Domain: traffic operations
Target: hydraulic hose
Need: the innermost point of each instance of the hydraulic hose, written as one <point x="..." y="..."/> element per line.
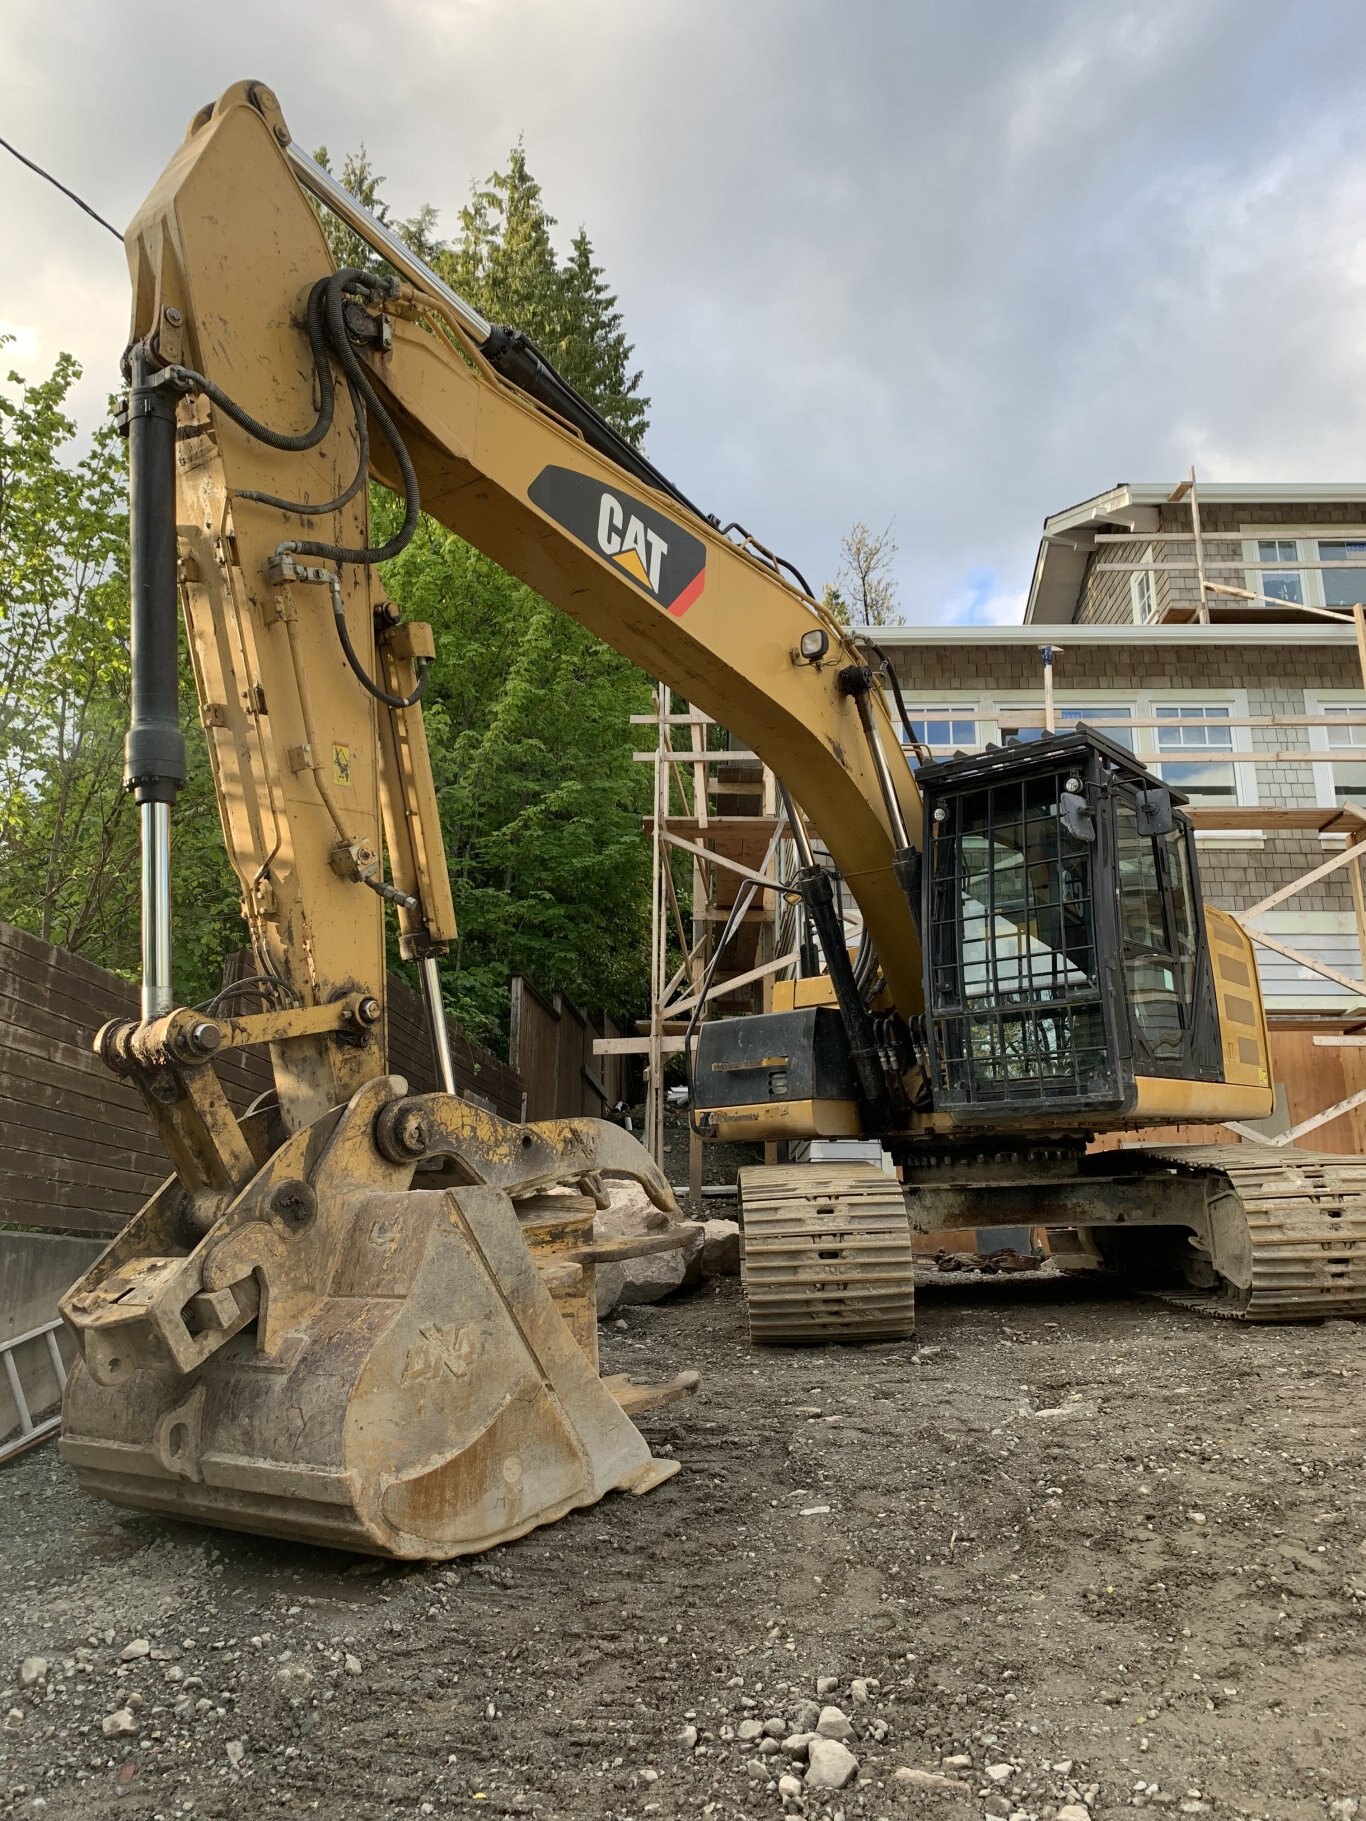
<point x="327" y="392"/>
<point x="349" y="650"/>
<point x="304" y="508"/>
<point x="335" y="324"/>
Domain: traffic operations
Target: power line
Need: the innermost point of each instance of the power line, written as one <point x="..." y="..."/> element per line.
<point x="14" y="151"/>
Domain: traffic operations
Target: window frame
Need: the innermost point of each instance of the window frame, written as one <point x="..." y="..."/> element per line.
<point x="955" y="709"/>
<point x="1144" y="581"/>
<point x="1323" y="701"/>
<point x="1306" y="539"/>
<point x="1245" y="795"/>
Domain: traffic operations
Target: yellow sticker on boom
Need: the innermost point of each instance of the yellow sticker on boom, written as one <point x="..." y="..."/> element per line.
<point x="341" y="764"/>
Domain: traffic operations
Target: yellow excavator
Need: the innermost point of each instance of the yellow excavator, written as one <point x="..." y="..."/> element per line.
<point x="365" y="1317"/>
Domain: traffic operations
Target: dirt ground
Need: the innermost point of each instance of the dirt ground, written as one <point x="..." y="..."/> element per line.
<point x="1095" y="1553"/>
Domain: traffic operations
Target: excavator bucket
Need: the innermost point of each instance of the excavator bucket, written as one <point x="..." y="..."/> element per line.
<point x="352" y="1359"/>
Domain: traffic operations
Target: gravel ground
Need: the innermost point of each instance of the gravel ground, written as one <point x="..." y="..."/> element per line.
<point x="1066" y="1554"/>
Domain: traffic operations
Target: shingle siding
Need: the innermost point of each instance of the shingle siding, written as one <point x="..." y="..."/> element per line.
<point x="1275" y="679"/>
<point x="1107" y="596"/>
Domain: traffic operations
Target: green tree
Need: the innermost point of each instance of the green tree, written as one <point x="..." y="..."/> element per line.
<point x="68" y="833"/>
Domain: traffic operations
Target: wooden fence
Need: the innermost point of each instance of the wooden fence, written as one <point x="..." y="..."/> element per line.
<point x="551" y="1048"/>
<point x="78" y="1152"/>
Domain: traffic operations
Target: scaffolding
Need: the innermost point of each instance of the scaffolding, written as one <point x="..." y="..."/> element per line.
<point x="717" y="854"/>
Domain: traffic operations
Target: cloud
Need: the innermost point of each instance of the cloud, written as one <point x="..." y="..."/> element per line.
<point x="983" y="601"/>
<point x="953" y="266"/>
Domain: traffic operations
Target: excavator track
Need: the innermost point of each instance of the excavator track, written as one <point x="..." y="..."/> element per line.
<point x="1288" y="1230"/>
<point x="826" y="1254"/>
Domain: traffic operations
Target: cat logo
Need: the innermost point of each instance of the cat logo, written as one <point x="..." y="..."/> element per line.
<point x="658" y="556"/>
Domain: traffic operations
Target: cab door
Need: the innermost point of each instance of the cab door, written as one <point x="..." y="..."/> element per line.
<point x="1168" y="985"/>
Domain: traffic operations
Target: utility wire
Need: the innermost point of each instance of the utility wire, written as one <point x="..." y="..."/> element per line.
<point x="14" y="152"/>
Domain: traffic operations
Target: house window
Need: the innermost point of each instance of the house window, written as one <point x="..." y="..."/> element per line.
<point x="1199" y="732"/>
<point x="1348" y="775"/>
<point x="1280" y="584"/>
<point x="935" y="726"/>
<point x="1143" y="592"/>
<point x="1071" y="713"/>
<point x="1343" y="587"/>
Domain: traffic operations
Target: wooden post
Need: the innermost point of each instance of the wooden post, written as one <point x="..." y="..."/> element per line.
<point x="654" y="1086"/>
<point x="703" y="880"/>
<point x="1199" y="550"/>
<point x="1049" y="722"/>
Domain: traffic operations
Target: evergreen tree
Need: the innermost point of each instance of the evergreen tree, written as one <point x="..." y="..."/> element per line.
<point x="592" y="351"/>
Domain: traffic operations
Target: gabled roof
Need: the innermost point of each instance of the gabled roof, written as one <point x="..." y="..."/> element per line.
<point x="1069" y="537"/>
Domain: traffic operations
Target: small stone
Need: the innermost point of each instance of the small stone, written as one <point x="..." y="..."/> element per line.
<point x="32" y="1671"/>
<point x="789" y="1787"/>
<point x="959" y="1761"/>
<point x="860" y="1689"/>
<point x="1198" y="1517"/>
<point x="910" y="1778"/>
<point x="1345" y="1808"/>
<point x="120" y="1724"/>
<point x="832" y="1765"/>
<point x="997" y="1804"/>
<point x="1064" y="1767"/>
<point x="769" y="1748"/>
<point x="688" y="1738"/>
<point x="999" y="1772"/>
<point x="1074" y="1811"/>
<point x="826" y="1685"/>
<point x="796" y="1744"/>
<point x="757" y="1770"/>
<point x="807" y="1715"/>
<point x="14" y="1719"/>
<point x="749" y="1730"/>
<point x="775" y="1728"/>
<point x="834" y="1724"/>
<point x="140" y="1647"/>
<point x="352" y="1664"/>
<point x="649" y="1776"/>
<point x="236" y="1751"/>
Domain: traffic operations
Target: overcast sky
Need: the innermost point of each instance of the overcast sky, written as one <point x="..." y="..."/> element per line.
<point x="946" y="266"/>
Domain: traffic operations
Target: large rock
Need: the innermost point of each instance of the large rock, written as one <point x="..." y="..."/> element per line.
<point x="832" y="1764"/>
<point x="720" y="1248"/>
<point x="640" y="1280"/>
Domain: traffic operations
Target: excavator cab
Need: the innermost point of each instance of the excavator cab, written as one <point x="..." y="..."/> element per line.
<point x="1066" y="957"/>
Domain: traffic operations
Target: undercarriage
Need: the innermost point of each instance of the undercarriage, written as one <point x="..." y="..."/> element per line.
<point x="1235" y="1231"/>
